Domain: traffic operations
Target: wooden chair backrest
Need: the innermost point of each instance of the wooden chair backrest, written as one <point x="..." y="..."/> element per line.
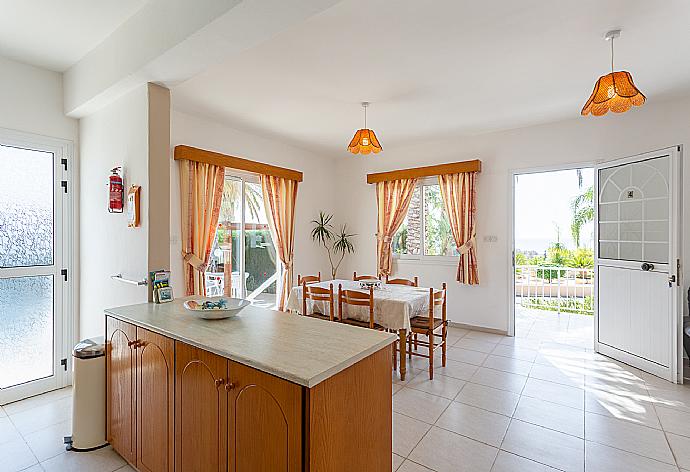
<point x="308" y="278"/>
<point x="362" y="277"/>
<point x="437" y="298"/>
<point x="355" y="297"/>
<point x="318" y="294"/>
<point x="400" y="281"/>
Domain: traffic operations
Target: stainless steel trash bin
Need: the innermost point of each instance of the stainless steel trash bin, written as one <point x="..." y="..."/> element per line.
<point x="88" y="396"/>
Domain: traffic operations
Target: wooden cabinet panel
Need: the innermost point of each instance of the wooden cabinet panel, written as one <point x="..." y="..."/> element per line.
<point x="120" y="388"/>
<point x="155" y="402"/>
<point x="350" y="418"/>
<point x="265" y="421"/>
<point x="200" y="410"/>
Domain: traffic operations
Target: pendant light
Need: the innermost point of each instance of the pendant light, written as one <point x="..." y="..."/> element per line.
<point x="615" y="91"/>
<point x="364" y="140"/>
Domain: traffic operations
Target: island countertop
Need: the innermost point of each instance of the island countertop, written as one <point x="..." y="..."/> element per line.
<point x="303" y="350"/>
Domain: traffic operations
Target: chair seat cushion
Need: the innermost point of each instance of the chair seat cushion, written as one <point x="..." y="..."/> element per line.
<point x="362" y="324"/>
<point x="422" y="322"/>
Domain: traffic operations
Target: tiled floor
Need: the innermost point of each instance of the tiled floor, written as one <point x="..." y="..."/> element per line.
<point x="541" y="401"/>
<point x="500" y="404"/>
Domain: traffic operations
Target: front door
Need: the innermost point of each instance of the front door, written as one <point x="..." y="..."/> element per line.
<point x="638" y="262"/>
<point x="33" y="290"/>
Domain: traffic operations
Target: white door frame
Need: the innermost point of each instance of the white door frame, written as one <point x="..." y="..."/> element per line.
<point x="674" y="372"/>
<point x="511" y="222"/>
<point x="64" y="293"/>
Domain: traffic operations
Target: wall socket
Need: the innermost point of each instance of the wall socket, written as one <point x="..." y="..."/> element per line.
<point x="490" y="238"/>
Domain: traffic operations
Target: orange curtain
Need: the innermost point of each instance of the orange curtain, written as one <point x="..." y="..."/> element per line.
<point x="280" y="196"/>
<point x="393" y="199"/>
<point x="459" y="195"/>
<point x="201" y="188"/>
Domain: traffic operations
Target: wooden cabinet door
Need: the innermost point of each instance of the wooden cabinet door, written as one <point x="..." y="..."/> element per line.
<point x="121" y="388"/>
<point x="155" y="402"/>
<point x="264" y="421"/>
<point x="200" y="410"/>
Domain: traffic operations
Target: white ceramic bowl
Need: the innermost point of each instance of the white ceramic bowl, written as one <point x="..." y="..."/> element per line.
<point x="232" y="307"/>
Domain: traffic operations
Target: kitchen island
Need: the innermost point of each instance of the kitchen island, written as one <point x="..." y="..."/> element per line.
<point x="263" y="391"/>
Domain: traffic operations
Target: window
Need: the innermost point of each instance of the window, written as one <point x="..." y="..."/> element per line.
<point x="425" y="230"/>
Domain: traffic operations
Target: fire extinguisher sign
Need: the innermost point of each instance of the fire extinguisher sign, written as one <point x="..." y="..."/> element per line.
<point x="116" y="191"/>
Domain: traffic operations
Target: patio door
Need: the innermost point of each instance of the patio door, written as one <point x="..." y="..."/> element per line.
<point x="638" y="262"/>
<point x="34" y="331"/>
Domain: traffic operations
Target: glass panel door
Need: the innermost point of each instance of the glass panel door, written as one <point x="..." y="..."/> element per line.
<point x="31" y="291"/>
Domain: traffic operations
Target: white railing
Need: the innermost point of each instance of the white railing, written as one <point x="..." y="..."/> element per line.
<point x="560" y="289"/>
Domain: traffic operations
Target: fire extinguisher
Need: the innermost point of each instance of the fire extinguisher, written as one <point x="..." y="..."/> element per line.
<point x="117" y="191"/>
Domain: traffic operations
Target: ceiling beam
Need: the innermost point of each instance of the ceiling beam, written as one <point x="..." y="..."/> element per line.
<point x="190" y="153"/>
<point x="474" y="165"/>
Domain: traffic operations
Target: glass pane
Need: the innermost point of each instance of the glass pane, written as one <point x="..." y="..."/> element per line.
<point x="439" y="239"/>
<point x="26" y="337"/>
<point x="225" y="258"/>
<point x="259" y="251"/>
<point x="608" y="250"/>
<point x="26" y="211"/>
<point x="631" y="232"/>
<point x="631" y="251"/>
<point x="656" y="252"/>
<point x="408" y="238"/>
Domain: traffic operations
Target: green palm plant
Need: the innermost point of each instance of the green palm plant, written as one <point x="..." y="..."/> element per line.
<point x="582" y="207"/>
<point x="334" y="243"/>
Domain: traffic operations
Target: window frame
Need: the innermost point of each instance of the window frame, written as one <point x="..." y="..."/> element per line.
<point x="424" y="258"/>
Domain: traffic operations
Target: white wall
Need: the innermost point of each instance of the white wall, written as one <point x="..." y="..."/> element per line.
<point x="31" y="101"/>
<point x="118" y="135"/>
<point x="315" y="193"/>
<point x="581" y="140"/>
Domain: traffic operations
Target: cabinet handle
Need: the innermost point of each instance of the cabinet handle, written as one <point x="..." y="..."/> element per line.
<point x="229" y="386"/>
<point x="132" y="343"/>
<point x="219" y="382"/>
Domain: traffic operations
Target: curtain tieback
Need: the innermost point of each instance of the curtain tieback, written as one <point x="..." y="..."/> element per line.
<point x="385" y="239"/>
<point x="469" y="244"/>
<point x="194" y="261"/>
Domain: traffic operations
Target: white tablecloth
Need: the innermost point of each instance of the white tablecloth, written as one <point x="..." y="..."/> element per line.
<point x="394" y="305"/>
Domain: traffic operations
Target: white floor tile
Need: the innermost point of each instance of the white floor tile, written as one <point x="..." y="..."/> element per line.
<point x="455" y="369"/>
<point x="15" y="455"/>
<point x="501" y="380"/>
<point x="562" y="394"/>
<point x="671" y="396"/>
<point x="126" y="468"/>
<point x="565" y="375"/>
<point x="508" y="364"/>
<point x="101" y="460"/>
<point x="488" y="398"/>
<point x="419" y="405"/>
<point x="600" y="458"/>
<point x="407" y="432"/>
<point x="551" y="415"/>
<point x="409" y="466"/>
<point x="507" y="462"/>
<point x="486" y="337"/>
<point x="475" y="345"/>
<point x="444" y="451"/>
<point x="467" y="356"/>
<point x="681" y="449"/>
<point x="38" y="400"/>
<point x="515" y="352"/>
<point x="546" y="446"/>
<point x="624" y="405"/>
<point x="8" y="432"/>
<point x="39" y="417"/>
<point x="674" y="421"/>
<point x="48" y="442"/>
<point x="441" y="385"/>
<point x="397" y="461"/>
<point x="627" y="436"/>
<point x="474" y="423"/>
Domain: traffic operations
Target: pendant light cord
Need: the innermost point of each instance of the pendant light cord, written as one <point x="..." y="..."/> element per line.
<point x="365" y="117"/>
<point x="612" y="39"/>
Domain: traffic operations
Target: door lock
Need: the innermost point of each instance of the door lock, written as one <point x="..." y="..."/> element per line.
<point x="671" y="280"/>
<point x="647" y="267"/>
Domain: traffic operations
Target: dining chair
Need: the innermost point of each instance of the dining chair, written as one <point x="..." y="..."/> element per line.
<point x="318" y="294"/>
<point x="363" y="277"/>
<point x="357" y="298"/>
<point x="400" y="281"/>
<point x="309" y="278"/>
<point x="428" y="326"/>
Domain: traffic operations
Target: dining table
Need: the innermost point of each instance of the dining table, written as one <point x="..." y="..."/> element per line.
<point x="394" y="306"/>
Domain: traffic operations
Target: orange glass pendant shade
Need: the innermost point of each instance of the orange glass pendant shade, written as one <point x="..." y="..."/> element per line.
<point x="364" y="142"/>
<point x="616" y="92"/>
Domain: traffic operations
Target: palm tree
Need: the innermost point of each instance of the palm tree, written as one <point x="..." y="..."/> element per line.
<point x="582" y="207"/>
<point x="232" y="193"/>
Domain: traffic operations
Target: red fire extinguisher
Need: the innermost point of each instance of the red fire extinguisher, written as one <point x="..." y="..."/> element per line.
<point x="116" y="201"/>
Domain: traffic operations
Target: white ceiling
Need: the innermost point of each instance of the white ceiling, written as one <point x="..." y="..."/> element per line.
<point x="55" y="34"/>
<point x="441" y="68"/>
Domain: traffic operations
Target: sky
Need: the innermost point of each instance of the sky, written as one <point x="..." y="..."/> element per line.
<point x="542" y="203"/>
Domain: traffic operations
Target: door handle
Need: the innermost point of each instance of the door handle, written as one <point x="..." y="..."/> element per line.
<point x="219" y="382"/>
<point x="647" y="267"/>
<point x="229" y="386"/>
<point x="671" y="280"/>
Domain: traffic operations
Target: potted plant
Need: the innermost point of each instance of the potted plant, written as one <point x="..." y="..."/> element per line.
<point x="337" y="245"/>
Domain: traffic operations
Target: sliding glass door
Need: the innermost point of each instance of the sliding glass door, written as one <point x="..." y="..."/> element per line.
<point x="243" y="259"/>
<point x="34" y="331"/>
